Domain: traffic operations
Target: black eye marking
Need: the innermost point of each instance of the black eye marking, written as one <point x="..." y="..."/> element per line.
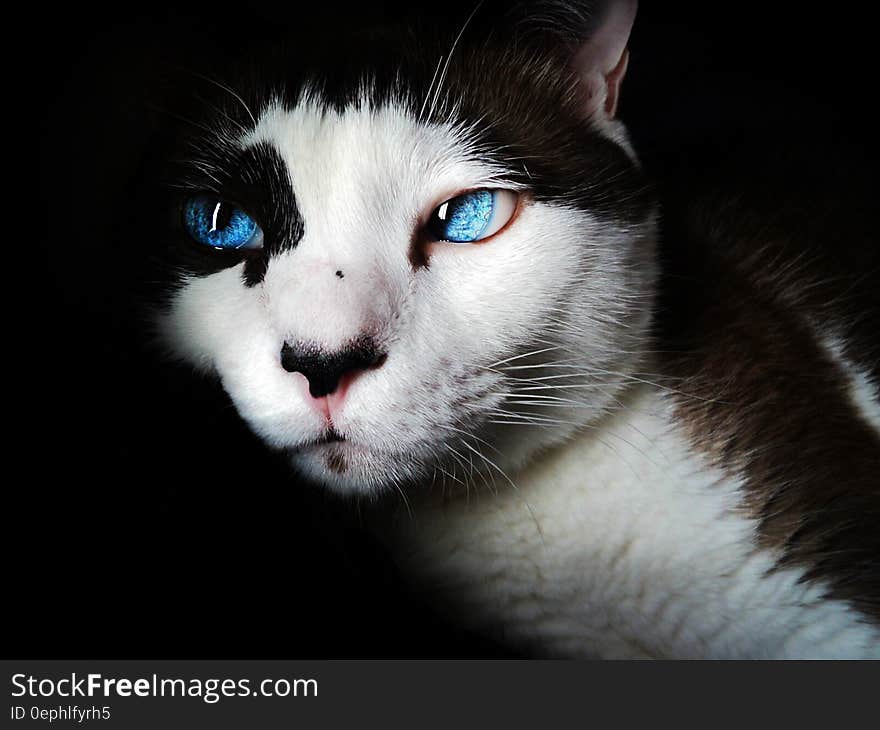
<point x="257" y="179"/>
<point x="263" y="172"/>
<point x="340" y="274"/>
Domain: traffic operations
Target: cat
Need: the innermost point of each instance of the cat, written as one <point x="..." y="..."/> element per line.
<point x="429" y="270"/>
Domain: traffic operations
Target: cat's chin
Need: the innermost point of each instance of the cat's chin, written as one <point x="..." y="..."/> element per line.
<point x="351" y="469"/>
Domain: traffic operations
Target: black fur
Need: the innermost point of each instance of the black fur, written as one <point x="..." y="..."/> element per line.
<point x="255" y="179"/>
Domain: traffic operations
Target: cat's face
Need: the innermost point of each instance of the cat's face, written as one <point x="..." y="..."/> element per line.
<point x="411" y="280"/>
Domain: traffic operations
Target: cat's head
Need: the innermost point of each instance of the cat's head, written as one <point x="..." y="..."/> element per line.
<point x="409" y="259"/>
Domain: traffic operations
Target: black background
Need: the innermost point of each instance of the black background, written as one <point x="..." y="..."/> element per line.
<point x="142" y="518"/>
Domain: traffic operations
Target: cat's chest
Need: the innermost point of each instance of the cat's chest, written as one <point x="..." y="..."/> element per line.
<point x="623" y="543"/>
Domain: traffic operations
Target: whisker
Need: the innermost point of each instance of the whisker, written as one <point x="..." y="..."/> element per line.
<point x="230" y="91"/>
<point x="519" y="357"/>
<point x="528" y="507"/>
<point x="449" y="57"/>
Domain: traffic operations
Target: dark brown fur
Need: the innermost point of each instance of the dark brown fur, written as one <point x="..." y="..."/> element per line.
<point x="750" y="285"/>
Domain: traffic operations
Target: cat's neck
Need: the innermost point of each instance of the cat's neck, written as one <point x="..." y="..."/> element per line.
<point x="621" y="542"/>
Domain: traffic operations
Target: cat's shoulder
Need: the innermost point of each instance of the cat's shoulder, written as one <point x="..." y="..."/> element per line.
<point x="768" y="330"/>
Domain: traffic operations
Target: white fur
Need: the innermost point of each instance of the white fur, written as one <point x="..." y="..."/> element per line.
<point x="625" y="544"/>
<point x="864" y="394"/>
<point x="616" y="541"/>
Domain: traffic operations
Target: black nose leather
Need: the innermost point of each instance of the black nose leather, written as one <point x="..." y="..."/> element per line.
<point x="325" y="369"/>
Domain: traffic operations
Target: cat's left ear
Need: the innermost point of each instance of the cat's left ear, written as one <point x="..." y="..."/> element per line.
<point x="601" y="59"/>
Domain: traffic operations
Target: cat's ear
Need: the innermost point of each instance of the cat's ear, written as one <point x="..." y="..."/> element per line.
<point x="601" y="58"/>
<point x="593" y="37"/>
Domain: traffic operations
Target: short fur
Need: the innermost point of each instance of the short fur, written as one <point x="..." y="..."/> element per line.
<point x="605" y="448"/>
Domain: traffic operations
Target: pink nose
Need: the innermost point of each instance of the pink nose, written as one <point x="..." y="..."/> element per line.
<point x="329" y="375"/>
<point x="332" y="403"/>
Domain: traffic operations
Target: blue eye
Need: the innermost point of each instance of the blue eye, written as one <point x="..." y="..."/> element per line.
<point x="472" y="216"/>
<point x="218" y="224"/>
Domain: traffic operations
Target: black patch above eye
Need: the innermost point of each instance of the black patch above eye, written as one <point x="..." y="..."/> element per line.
<point x="259" y="180"/>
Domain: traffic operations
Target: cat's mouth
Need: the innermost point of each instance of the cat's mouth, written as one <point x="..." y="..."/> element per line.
<point x="330" y="436"/>
<point x="349" y="465"/>
<point x="332" y="458"/>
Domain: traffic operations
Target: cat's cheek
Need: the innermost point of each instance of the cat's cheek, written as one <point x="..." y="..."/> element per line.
<point x="207" y="316"/>
<point x="502" y="285"/>
<point x="220" y="326"/>
<point x="270" y="402"/>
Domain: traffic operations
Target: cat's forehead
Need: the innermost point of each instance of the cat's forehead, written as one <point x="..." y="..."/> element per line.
<point x="407" y="127"/>
<point x="385" y="153"/>
<point x="422" y="101"/>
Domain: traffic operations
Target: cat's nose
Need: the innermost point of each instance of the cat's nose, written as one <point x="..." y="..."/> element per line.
<point x="324" y="370"/>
